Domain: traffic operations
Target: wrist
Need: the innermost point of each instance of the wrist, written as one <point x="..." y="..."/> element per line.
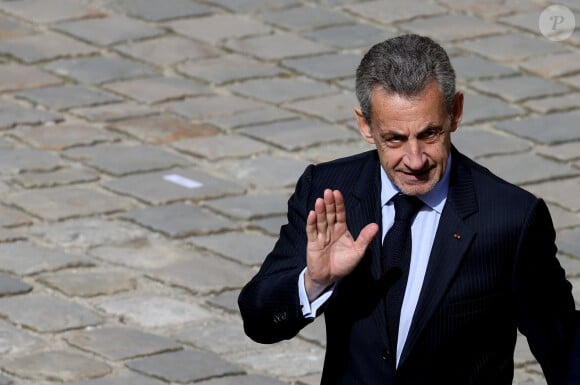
<point x="313" y="287"/>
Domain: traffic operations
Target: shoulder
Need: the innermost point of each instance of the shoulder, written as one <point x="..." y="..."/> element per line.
<point x="493" y="190"/>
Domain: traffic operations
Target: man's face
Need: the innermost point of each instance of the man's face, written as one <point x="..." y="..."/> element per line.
<point x="412" y="136"/>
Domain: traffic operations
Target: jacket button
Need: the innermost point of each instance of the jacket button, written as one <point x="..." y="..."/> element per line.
<point x="387" y="355"/>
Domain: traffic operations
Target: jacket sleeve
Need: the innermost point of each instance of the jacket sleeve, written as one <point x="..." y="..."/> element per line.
<point x="269" y="303"/>
<point x="544" y="303"/>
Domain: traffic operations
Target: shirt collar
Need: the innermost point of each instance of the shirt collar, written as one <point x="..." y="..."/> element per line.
<point x="435" y="198"/>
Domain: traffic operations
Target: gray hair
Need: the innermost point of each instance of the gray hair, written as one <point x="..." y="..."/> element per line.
<point x="404" y="65"/>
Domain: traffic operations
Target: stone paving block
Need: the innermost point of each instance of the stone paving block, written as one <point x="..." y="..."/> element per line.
<point x="99" y="69"/>
<point x="211" y="106"/>
<point x="572" y="80"/>
<point x="511" y="47"/>
<point x="46" y="46"/>
<point x="217" y="336"/>
<point x="157" y="11"/>
<point x="270" y="90"/>
<point x="44" y="313"/>
<point x="186" y="366"/>
<point x="16" y="77"/>
<point x="572" y="267"/>
<point x="388" y="12"/>
<point x="16" y="341"/>
<point x="452" y="27"/>
<point x="527" y="168"/>
<point x="244" y="6"/>
<point x="473" y="67"/>
<point x="118" y="159"/>
<point x="168" y="50"/>
<point x="68" y="96"/>
<point x="211" y="28"/>
<point x="12" y="114"/>
<point x="12" y="286"/>
<point x="333" y="151"/>
<point x="270" y="225"/>
<point x="547" y="129"/>
<point x="15" y="160"/>
<point x="49" y="11"/>
<point x="24" y="258"/>
<point x="174" y="185"/>
<point x="277" y="46"/>
<point x="108" y="30"/>
<point x="10" y="28"/>
<point x="89" y="282"/>
<point x="120" y="343"/>
<point x="158" y="89"/>
<point x="142" y="253"/>
<point x="478" y="142"/>
<point x="555" y="103"/>
<point x="315" y="332"/>
<point x="113" y="112"/>
<point x="266" y="114"/>
<point x="154" y="310"/>
<point x="163" y="128"/>
<point x="250" y="206"/>
<point x="60" y="177"/>
<point x="479" y="108"/>
<point x="57" y="203"/>
<point x="325" y="67"/>
<point x="250" y="379"/>
<point x="246" y="248"/>
<point x="562" y="152"/>
<point x="80" y="234"/>
<point x="227" y="301"/>
<point x="561" y="192"/>
<point x="120" y="380"/>
<point x="332" y="108"/>
<point x="305" y="359"/>
<point x="179" y="220"/>
<point x="520" y="88"/>
<point x="293" y="135"/>
<point x="12" y="218"/>
<point x="61" y="136"/>
<point x="221" y="146"/>
<point x="568" y="242"/>
<point x="563" y="218"/>
<point x="56" y="366"/>
<point x="553" y="65"/>
<point x="492" y="8"/>
<point x="11" y="235"/>
<point x="265" y="171"/>
<point x="228" y="68"/>
<point x="204" y="274"/>
<point x="350" y="36"/>
<point x="305" y="18"/>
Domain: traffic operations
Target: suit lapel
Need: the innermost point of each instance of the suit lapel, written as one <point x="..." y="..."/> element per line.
<point x="452" y="240"/>
<point x="363" y="206"/>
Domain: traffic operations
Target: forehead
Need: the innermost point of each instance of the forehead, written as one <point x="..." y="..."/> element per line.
<point x="427" y="105"/>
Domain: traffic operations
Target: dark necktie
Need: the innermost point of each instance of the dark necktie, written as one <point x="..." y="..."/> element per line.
<point x="396" y="259"/>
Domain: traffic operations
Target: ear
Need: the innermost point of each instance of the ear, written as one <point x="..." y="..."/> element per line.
<point x="457" y="111"/>
<point x="363" y="126"/>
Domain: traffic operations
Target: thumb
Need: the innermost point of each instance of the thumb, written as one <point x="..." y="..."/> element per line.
<point x="366" y="236"/>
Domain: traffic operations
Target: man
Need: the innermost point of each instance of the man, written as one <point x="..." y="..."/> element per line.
<point x="441" y="307"/>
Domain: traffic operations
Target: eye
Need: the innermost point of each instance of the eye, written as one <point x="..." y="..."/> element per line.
<point x="430" y="135"/>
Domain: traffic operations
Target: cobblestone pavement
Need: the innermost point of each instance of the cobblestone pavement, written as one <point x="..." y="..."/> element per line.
<point x="148" y="149"/>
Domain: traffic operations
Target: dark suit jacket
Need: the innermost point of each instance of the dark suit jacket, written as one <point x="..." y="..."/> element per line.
<point x="501" y="273"/>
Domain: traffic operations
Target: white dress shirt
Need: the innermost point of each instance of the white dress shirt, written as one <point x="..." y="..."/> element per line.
<point x="423" y="232"/>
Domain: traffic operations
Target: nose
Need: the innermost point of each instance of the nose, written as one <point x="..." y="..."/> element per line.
<point x="414" y="157"/>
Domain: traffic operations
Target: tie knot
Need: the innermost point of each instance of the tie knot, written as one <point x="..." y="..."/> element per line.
<point x="406" y="206"/>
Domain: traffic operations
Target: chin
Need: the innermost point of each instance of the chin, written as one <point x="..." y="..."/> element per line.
<point x="417" y="188"/>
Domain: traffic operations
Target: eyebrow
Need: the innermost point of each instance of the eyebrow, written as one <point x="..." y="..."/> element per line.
<point x="430" y="126"/>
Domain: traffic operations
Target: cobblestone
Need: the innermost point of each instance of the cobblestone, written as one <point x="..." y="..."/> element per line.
<point x="148" y="150"/>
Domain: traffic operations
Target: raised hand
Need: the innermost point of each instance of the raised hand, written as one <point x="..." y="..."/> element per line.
<point x="331" y="251"/>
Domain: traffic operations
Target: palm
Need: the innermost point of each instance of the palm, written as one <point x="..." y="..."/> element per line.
<point x="331" y="251"/>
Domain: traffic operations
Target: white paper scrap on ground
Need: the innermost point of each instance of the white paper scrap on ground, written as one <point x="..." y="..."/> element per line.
<point x="182" y="181"/>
